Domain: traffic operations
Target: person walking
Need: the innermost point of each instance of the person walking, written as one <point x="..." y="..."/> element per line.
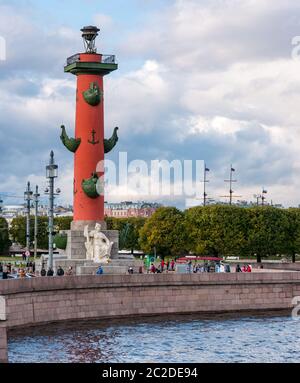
<point x="43" y="272"/>
<point x="70" y="271"/>
<point x="22" y="273"/>
<point x="60" y="271"/>
<point x="50" y="272"/>
<point x="168" y="265"/>
<point x="5" y="273"/>
<point x="238" y="269"/>
<point x="172" y="265"/>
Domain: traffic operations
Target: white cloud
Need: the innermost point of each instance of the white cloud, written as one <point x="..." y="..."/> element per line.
<point x="138" y="98"/>
<point x="103" y="21"/>
<point x="216" y="82"/>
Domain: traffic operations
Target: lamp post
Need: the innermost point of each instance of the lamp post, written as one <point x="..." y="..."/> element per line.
<point x="257" y="197"/>
<point x="28" y="197"/>
<point x="230" y="183"/>
<point x="263" y="196"/>
<point x="36" y="204"/>
<point x="204" y="187"/>
<point x="51" y="173"/>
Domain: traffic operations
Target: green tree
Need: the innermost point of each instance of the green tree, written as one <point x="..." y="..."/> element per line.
<point x="4" y="236"/>
<point x="292" y="246"/>
<point x="268" y="231"/>
<point x="63" y="223"/>
<point x="164" y="230"/>
<point x="134" y="225"/>
<point x="217" y="230"/>
<point x="129" y="229"/>
<point x="18" y="229"/>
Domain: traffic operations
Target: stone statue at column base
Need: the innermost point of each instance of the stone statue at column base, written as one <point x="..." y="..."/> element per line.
<point x="98" y="246"/>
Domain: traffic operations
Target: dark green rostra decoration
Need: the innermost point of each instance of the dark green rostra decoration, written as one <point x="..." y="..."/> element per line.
<point x="71" y="144"/>
<point x="89" y="186"/>
<point x="61" y="240"/>
<point x="110" y="143"/>
<point x="93" y="95"/>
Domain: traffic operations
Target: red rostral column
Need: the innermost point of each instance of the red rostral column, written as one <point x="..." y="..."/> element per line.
<point x="88" y="144"/>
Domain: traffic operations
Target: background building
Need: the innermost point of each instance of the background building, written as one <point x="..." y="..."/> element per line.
<point x="128" y="209"/>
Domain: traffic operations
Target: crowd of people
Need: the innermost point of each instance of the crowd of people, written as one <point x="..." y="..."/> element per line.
<point x="16" y="271"/>
<point x="217" y="267"/>
<point x="60" y="272"/>
<point x="243" y="269"/>
<point x="169" y="266"/>
<point x="8" y="270"/>
<point x="162" y="267"/>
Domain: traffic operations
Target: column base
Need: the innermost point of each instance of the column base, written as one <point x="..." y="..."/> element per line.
<point x="80" y="225"/>
<point x="76" y="240"/>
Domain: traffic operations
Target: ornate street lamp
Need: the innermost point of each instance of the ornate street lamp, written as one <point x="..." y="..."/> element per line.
<point x="204" y="185"/>
<point x="263" y="196"/>
<point x="28" y="197"/>
<point x="36" y="196"/>
<point x="51" y="173"/>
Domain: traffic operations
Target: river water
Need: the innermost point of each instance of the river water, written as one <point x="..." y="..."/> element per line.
<point x="184" y="338"/>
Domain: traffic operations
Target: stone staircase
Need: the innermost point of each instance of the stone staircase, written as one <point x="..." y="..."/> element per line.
<point x="85" y="267"/>
<point x="116" y="266"/>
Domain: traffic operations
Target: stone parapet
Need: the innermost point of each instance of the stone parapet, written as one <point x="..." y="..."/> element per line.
<point x="37" y="284"/>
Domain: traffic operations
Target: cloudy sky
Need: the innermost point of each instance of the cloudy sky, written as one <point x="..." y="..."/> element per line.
<point x="198" y="80"/>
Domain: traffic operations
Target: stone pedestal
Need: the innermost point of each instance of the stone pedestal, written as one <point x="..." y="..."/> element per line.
<point x="75" y="253"/>
<point x="116" y="266"/>
<point x="76" y="239"/>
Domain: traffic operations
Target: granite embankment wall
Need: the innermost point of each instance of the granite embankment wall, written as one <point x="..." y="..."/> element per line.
<point x="3" y="344"/>
<point x="282" y="266"/>
<point x="40" y="300"/>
